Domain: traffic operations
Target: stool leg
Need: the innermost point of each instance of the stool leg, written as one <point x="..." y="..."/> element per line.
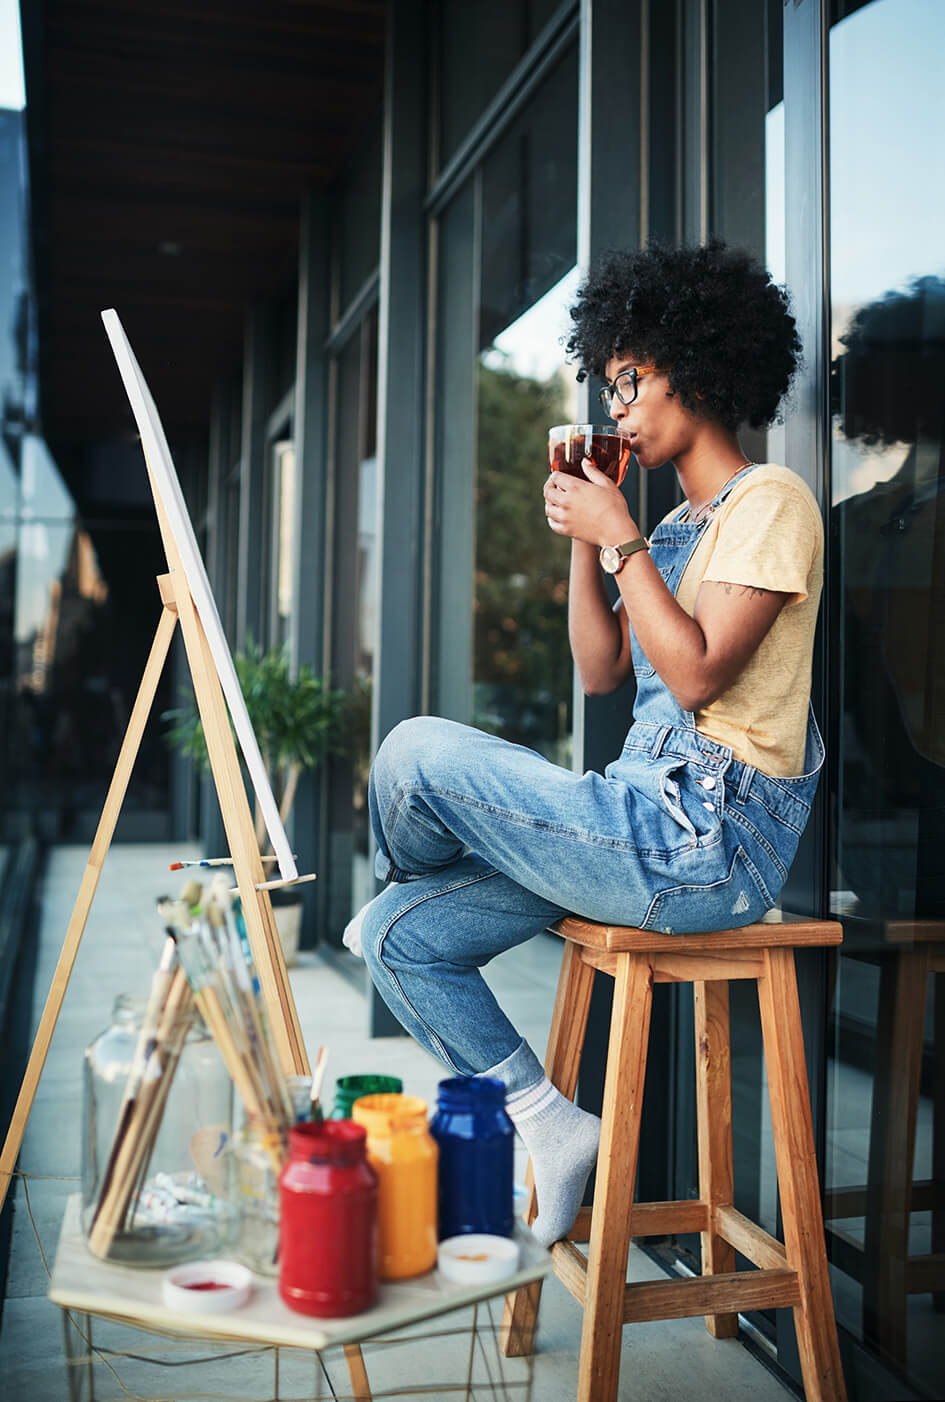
<point x="938" y="1127"/>
<point x="714" y="1119"/>
<point x="899" y="1033"/>
<point x="562" y="1061"/>
<point x="606" y="1284"/>
<point x="797" y="1177"/>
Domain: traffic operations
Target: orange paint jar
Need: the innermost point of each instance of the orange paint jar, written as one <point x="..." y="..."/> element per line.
<point x="404" y="1157"/>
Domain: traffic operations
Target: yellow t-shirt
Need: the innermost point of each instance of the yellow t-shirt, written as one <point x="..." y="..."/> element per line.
<point x="768" y="533"/>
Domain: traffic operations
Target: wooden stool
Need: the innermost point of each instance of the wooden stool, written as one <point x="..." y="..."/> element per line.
<point x="912" y="953"/>
<point x="794" y="1274"/>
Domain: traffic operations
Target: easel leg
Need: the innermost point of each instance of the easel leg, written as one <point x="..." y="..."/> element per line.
<point x="241" y="839"/>
<point x="80" y="913"/>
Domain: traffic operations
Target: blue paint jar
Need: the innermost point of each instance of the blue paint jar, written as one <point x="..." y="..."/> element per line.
<point x="476" y="1140"/>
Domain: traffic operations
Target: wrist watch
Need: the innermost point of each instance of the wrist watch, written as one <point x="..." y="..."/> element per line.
<point x="614" y="557"/>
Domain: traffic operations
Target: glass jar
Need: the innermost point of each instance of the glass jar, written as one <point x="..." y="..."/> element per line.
<point x="177" y="1206"/>
<point x="328" y="1221"/>
<point x="348" y="1089"/>
<point x="404" y="1156"/>
<point x="476" y="1140"/>
<point x="304" y="1108"/>
<point x="255" y="1162"/>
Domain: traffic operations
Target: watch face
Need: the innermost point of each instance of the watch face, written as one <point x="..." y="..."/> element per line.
<point x="610" y="559"/>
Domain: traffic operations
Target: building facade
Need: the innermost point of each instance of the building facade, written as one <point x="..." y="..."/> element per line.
<point x="366" y="486"/>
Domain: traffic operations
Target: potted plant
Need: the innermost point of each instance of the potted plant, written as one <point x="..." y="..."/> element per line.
<point x="298" y="721"/>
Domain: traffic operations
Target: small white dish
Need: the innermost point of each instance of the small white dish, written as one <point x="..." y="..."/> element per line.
<point x="477" y="1259"/>
<point x="207" y="1287"/>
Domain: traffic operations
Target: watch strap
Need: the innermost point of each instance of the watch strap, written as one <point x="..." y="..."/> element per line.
<point x="630" y="547"/>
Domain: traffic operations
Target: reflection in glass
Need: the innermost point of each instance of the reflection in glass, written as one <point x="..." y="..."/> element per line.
<point x="886" y="1092"/>
<point x="283" y="454"/>
<point x="522" y="661"/>
<point x="354" y="608"/>
<point x="521" y="658"/>
<point x="889" y="400"/>
<point x="478" y="47"/>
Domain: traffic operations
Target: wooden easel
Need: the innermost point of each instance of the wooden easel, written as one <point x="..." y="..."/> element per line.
<point x="179" y="608"/>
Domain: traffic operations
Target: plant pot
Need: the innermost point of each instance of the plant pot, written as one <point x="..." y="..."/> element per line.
<point x="288" y="916"/>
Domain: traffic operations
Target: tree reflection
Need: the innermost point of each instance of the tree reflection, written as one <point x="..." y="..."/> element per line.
<point x="522" y="657"/>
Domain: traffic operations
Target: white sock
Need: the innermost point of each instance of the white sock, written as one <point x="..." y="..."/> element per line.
<point x="561" y="1140"/>
<point x="351" y="938"/>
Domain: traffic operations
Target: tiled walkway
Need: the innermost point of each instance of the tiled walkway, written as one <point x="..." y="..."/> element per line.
<point x="670" y="1360"/>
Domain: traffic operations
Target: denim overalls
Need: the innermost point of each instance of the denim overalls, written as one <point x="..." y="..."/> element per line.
<point x="487" y="843"/>
<point x="737" y="829"/>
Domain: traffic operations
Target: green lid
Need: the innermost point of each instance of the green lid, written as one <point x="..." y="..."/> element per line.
<point x="348" y="1089"/>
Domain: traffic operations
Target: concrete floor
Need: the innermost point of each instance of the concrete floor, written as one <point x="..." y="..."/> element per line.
<point x="669" y="1360"/>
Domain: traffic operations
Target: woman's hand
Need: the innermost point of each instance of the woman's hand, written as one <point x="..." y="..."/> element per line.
<point x="593" y="511"/>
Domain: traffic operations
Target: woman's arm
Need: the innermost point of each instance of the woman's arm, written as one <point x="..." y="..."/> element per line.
<point x="697" y="657"/>
<point x="600" y="641"/>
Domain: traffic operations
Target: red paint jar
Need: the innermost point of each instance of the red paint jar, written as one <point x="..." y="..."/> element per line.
<point x="328" y="1221"/>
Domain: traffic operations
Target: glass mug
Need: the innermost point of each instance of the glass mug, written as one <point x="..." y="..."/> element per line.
<point x="608" y="449"/>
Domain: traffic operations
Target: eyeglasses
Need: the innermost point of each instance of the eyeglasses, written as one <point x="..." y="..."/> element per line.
<point x="625" y="386"/>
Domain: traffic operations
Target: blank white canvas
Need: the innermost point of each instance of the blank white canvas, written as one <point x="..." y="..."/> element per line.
<point x="168" y="488"/>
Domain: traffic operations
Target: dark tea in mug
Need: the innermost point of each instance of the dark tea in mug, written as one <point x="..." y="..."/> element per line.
<point x="607" y="449"/>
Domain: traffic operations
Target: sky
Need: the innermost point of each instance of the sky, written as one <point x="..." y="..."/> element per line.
<point x="887" y="116"/>
<point x="11" y="63"/>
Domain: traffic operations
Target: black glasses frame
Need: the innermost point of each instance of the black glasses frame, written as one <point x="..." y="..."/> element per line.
<point x="633" y="375"/>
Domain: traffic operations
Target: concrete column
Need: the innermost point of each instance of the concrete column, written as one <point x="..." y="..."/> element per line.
<point x="400" y="419"/>
<point x="249" y="588"/>
<point x="311" y="583"/>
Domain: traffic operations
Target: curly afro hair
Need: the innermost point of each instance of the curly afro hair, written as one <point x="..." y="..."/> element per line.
<point x="710" y="315"/>
<point x="886" y="386"/>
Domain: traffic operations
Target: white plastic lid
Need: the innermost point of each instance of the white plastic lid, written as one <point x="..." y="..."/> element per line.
<point x="476" y="1259"/>
<point x="207" y="1287"/>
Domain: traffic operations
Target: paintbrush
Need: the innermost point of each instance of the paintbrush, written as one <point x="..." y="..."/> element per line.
<point x="318" y="1076"/>
<point x="216" y="862"/>
<point x="144" y="1049"/>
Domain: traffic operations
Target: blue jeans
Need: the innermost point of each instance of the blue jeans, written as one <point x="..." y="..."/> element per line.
<point x="488" y="843"/>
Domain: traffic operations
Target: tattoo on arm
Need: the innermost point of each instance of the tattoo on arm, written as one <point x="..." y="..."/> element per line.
<point x="751" y="590"/>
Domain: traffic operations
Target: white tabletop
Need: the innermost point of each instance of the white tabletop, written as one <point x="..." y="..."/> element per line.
<point x="80" y="1281"/>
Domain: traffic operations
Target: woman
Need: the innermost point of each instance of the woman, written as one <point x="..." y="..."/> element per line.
<point x="694" y="825"/>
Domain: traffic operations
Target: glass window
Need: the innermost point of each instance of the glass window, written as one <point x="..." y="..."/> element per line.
<point x="479" y="45"/>
<point x="354" y="607"/>
<point x="67" y="689"/>
<point x="360" y="222"/>
<point x="507" y="251"/>
<point x="521" y="654"/>
<point x="281" y="376"/>
<point x="886" y="1166"/>
<point x="283" y="537"/>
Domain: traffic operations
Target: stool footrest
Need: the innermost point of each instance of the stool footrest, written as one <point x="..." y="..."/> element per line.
<point x="733" y="1293"/>
<point x="757" y="1245"/>
<point x="653" y="1219"/>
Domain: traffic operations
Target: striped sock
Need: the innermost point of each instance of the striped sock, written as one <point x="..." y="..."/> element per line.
<point x="561" y="1140"/>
